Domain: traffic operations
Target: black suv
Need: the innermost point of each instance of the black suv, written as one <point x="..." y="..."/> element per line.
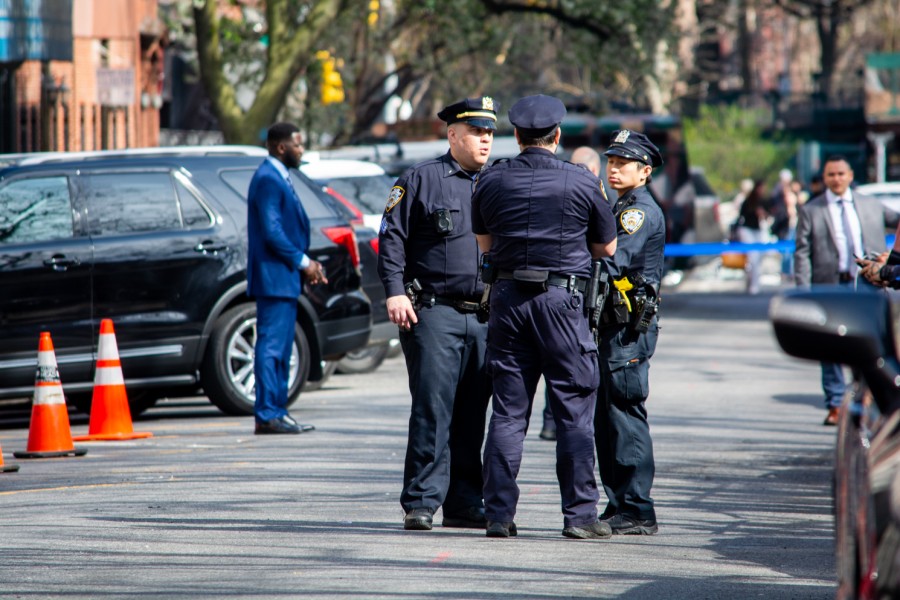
<point x="158" y="244"/>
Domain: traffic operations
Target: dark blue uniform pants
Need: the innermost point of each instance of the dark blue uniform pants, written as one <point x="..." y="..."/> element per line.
<point x="624" y="447"/>
<point x="532" y="334"/>
<point x="450" y="388"/>
<point x="275" y="318"/>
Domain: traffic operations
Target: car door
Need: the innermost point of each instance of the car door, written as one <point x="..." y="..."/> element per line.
<point x="45" y="281"/>
<point x="159" y="260"/>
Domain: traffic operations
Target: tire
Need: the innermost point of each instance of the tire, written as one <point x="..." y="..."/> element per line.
<point x="327" y="371"/>
<point x="227" y="369"/>
<point x="365" y="360"/>
<point x="138" y="402"/>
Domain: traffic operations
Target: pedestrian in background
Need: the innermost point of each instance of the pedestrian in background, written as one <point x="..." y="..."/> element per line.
<point x="753" y="228"/>
<point x="428" y="263"/>
<point x="277" y="265"/>
<point x="541" y="219"/>
<point x="627" y="338"/>
<point x="832" y="230"/>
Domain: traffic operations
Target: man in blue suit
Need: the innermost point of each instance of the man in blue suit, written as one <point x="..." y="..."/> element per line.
<point x="278" y="233"/>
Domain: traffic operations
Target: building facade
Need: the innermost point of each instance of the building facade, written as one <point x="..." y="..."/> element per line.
<point x="80" y="74"/>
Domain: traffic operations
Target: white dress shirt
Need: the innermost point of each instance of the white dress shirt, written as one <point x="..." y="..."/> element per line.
<point x="845" y="262"/>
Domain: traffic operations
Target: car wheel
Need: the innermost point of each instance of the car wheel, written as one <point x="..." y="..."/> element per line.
<point x="227" y="370"/>
<point x="327" y="372"/>
<point x="138" y="401"/>
<point x="364" y="360"/>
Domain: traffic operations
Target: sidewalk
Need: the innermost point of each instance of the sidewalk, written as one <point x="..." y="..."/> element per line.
<point x="713" y="278"/>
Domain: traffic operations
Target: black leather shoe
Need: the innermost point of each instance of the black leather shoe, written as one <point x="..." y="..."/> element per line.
<point x="625" y="525"/>
<point x="418" y="519"/>
<point x="547" y="434"/>
<point x="304" y="427"/>
<point x="501" y="530"/>
<point x="596" y="530"/>
<point x="276" y="426"/>
<point x="471" y="518"/>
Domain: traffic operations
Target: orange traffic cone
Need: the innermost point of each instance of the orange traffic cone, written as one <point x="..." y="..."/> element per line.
<point x="6" y="468"/>
<point x="110" y="415"/>
<point x="49" y="434"/>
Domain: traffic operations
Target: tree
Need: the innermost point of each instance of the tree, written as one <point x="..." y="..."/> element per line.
<point x="829" y="15"/>
<point x="292" y="31"/>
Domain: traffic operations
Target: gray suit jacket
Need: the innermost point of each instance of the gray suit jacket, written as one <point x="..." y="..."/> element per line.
<point x="816" y="254"/>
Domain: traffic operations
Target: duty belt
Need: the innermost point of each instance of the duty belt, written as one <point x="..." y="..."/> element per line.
<point x="568" y="282"/>
<point x="464" y="306"/>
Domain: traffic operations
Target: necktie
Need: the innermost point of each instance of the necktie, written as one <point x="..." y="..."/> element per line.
<point x="848" y="236"/>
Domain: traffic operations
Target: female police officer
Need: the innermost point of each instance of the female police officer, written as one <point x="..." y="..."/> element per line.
<point x="627" y="337"/>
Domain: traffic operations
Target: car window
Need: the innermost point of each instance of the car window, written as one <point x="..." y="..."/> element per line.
<point x="313" y="204"/>
<point x="368" y="193"/>
<point x="122" y="203"/>
<point x="193" y="213"/>
<point x="35" y="210"/>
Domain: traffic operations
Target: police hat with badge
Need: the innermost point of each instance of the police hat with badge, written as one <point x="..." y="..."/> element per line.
<point x="537" y="116"/>
<point x="478" y="112"/>
<point x="634" y="145"/>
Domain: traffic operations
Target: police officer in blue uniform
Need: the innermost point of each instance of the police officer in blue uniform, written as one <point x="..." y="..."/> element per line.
<point x="627" y="337"/>
<point x="428" y="263"/>
<point x="542" y="219"/>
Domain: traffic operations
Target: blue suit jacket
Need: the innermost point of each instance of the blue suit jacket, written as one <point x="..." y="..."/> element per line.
<point x="278" y="235"/>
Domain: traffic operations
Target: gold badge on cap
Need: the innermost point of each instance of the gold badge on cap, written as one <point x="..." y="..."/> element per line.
<point x="394" y="198"/>
<point x="622" y="137"/>
<point x="487" y="103"/>
<point x="631" y="220"/>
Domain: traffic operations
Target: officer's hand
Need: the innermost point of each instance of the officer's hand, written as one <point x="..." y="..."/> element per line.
<point x="400" y="311"/>
<point x="315" y="273"/>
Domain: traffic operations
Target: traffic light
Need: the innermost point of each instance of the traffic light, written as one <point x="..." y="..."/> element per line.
<point x="373" y="13"/>
<point x="332" y="84"/>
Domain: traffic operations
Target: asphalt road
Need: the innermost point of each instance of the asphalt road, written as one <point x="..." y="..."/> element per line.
<point x="206" y="509"/>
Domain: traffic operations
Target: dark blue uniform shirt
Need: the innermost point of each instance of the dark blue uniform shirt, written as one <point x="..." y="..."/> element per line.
<point x="412" y="244"/>
<point x="537" y="208"/>
<point x="641" y="242"/>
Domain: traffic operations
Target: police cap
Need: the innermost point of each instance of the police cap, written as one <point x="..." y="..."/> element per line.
<point x="536" y="116"/>
<point x="634" y="146"/>
<point x="478" y="112"/>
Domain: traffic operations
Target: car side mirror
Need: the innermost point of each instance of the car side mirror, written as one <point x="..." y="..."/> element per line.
<point x="841" y="326"/>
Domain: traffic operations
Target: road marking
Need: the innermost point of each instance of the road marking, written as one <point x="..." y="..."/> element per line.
<point x="440" y="558"/>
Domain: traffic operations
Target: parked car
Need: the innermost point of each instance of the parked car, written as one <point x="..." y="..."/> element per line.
<point x="362" y="189"/>
<point x="158" y="244"/>
<point x="861" y="330"/>
<point x="888" y="193"/>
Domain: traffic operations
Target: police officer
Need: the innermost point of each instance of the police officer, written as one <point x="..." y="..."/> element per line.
<point x="428" y="263"/>
<point x="542" y="219"/>
<point x="627" y="337"/>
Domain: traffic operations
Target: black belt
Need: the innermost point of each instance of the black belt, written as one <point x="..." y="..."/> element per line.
<point x="845" y="277"/>
<point x="569" y="282"/>
<point x="464" y="306"/>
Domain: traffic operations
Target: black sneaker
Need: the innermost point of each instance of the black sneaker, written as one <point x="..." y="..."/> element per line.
<point x="596" y="530"/>
<point x="471" y="518"/>
<point x="418" y="519"/>
<point x="501" y="530"/>
<point x="625" y="525"/>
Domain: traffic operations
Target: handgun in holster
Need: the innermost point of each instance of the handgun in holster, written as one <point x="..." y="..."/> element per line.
<point x="595" y="294"/>
<point x="412" y="291"/>
<point x="646" y="303"/>
<point x="488" y="277"/>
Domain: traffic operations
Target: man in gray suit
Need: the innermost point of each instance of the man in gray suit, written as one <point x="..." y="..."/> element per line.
<point x="833" y="229"/>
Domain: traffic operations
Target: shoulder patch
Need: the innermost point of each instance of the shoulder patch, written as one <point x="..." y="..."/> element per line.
<point x="603" y="190"/>
<point x="631" y="220"/>
<point x="394" y="198"/>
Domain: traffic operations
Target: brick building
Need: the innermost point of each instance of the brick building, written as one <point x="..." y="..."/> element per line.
<point x="80" y="74"/>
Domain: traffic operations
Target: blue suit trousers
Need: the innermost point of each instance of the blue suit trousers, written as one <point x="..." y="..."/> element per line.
<point x="275" y="318"/>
